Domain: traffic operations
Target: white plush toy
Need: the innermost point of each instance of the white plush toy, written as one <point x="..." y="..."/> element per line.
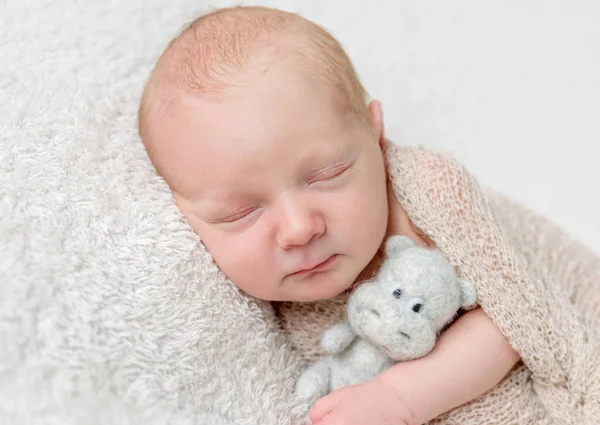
<point x="394" y="317"/>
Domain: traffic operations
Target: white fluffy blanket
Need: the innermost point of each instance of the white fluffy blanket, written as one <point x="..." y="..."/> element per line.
<point x="106" y="295"/>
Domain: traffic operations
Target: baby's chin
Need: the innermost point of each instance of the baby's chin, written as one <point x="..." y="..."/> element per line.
<point x="323" y="288"/>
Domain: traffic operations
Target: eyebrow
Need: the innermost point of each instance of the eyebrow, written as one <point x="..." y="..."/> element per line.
<point x="320" y="158"/>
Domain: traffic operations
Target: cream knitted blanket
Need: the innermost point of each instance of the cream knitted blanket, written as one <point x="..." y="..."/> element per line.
<point x="540" y="287"/>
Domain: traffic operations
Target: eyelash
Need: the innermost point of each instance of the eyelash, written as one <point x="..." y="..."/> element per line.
<point x="330" y="174"/>
<point x="238" y="216"/>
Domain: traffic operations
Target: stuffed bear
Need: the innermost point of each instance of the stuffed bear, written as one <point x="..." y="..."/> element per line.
<point x="393" y="317"/>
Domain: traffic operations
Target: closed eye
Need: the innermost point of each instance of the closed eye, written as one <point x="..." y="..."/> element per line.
<point x="330" y="173"/>
<point x="235" y="217"/>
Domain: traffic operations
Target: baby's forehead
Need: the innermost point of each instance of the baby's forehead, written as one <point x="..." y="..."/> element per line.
<point x="222" y="79"/>
<point x="251" y="142"/>
<point x="220" y="54"/>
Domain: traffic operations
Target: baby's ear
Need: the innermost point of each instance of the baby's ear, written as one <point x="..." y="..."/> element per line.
<point x="468" y="294"/>
<point x="397" y="244"/>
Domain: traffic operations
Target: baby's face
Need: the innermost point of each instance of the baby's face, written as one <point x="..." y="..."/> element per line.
<point x="287" y="192"/>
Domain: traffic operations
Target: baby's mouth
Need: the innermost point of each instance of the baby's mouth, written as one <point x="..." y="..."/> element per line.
<point x="324" y="265"/>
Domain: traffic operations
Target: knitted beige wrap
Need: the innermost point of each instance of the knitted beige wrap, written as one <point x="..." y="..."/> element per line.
<point x="541" y="288"/>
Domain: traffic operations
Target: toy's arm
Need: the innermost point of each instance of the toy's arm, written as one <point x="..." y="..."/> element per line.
<point x="470" y="358"/>
<point x="337" y="338"/>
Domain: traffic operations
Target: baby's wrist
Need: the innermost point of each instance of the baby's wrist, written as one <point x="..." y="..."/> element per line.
<point x="403" y="412"/>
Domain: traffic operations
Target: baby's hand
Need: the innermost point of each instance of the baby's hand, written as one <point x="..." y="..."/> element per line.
<point x="371" y="403"/>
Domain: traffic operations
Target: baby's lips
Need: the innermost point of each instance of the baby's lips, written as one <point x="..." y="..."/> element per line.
<point x="315" y="265"/>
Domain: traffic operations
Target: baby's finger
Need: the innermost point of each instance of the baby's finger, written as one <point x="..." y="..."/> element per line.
<point x="325" y="405"/>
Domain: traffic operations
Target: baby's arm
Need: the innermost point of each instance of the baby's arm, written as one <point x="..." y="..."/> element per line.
<point x="470" y="358"/>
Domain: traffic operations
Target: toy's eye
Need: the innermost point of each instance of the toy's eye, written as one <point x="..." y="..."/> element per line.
<point x="417" y="307"/>
<point x="397" y="293"/>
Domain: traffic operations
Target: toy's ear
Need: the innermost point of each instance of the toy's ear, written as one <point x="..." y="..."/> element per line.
<point x="468" y="294"/>
<point x="396" y="244"/>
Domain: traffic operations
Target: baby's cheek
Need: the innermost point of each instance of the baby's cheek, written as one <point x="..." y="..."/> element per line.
<point x="249" y="264"/>
<point x="369" y="222"/>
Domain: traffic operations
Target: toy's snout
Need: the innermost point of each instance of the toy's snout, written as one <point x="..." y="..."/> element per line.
<point x="398" y="326"/>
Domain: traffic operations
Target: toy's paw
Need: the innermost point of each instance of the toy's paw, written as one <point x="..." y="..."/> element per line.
<point x="307" y="390"/>
<point x="337" y="338"/>
<point x="313" y="383"/>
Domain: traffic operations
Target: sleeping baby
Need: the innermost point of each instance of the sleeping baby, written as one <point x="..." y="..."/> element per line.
<point x="276" y="157"/>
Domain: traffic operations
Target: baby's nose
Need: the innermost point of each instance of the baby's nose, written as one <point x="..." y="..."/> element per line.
<point x="299" y="225"/>
<point x="295" y="236"/>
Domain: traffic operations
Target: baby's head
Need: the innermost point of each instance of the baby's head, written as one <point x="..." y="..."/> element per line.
<point x="257" y="121"/>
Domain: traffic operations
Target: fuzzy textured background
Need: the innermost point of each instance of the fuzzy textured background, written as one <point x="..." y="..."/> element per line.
<point x="101" y="301"/>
